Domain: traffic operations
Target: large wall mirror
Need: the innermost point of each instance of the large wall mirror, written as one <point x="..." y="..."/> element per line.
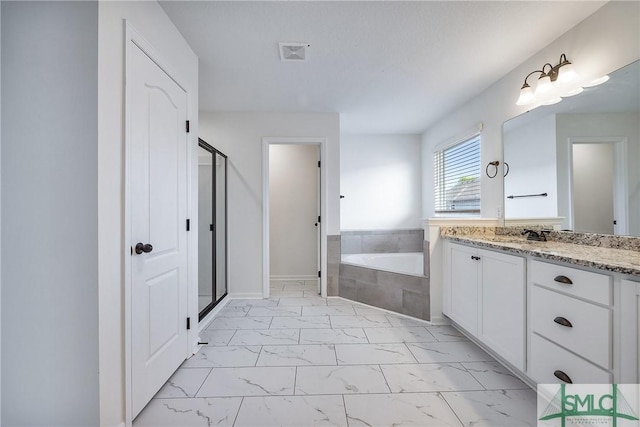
<point x="578" y="162"/>
<point x="212" y="227"/>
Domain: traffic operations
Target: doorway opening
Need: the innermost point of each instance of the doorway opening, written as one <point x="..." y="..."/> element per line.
<point x="294" y="207"/>
<point x="598" y="190"/>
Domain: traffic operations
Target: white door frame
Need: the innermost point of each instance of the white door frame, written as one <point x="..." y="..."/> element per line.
<point x="134" y="40"/>
<point x="322" y="143"/>
<point x="621" y="193"/>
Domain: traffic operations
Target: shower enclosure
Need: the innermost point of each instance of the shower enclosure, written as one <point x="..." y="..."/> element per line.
<point x="212" y="227"/>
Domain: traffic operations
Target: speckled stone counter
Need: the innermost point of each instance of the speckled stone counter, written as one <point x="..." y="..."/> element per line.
<point x="611" y="253"/>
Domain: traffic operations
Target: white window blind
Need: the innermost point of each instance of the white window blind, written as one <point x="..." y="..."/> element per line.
<point x="457" y="178"/>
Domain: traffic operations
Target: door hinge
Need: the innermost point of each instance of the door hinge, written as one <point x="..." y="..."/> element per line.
<point x="210" y="227"/>
<point x="319" y="273"/>
<point x="187" y="126"/>
<point x="188" y="225"/>
<point x="188" y="323"/>
<point x="318" y="163"/>
<point x="318" y="218"/>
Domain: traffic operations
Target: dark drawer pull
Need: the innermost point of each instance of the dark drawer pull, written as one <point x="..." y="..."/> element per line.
<point x="562" y="377"/>
<point x="563" y="279"/>
<point x="563" y="322"/>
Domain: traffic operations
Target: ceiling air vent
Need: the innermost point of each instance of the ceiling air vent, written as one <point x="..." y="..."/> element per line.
<point x="293" y="51"/>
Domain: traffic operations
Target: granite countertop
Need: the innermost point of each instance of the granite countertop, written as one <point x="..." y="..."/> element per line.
<point x="617" y="260"/>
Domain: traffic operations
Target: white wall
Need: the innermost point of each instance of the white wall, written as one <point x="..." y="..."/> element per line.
<point x="293" y="209"/>
<point x="151" y="21"/>
<point x="530" y="150"/>
<point x="605" y="41"/>
<point x="239" y="135"/>
<point x="380" y="177"/>
<point x="600" y="125"/>
<point x="50" y="215"/>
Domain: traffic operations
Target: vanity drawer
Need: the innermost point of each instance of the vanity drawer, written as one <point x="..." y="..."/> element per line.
<point x="579" y="326"/>
<point x="548" y="358"/>
<point x="584" y="284"/>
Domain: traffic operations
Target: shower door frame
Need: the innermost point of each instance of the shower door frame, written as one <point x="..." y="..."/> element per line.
<point x="214" y="250"/>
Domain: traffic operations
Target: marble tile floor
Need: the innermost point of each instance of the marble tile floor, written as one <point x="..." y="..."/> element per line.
<point x="300" y="360"/>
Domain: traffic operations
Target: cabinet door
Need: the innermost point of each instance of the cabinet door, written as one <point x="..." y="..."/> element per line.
<point x="464" y="287"/>
<point x="502" y="290"/>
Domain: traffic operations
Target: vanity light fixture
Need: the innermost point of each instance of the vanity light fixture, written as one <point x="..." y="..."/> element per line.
<point x="555" y="81"/>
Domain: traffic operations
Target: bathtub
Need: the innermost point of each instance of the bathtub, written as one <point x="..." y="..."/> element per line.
<point x="411" y="263"/>
<point x="393" y="281"/>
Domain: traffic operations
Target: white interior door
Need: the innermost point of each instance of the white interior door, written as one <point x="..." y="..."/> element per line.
<point x="158" y="203"/>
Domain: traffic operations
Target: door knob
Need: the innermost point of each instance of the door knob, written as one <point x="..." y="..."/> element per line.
<point x="143" y="247"/>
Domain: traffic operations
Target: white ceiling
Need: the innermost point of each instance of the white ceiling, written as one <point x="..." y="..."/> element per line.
<point x="385" y="66"/>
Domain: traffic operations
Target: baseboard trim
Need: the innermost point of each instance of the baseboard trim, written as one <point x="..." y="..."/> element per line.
<point x="288" y="278"/>
<point x="440" y="321"/>
<point x="245" y="295"/>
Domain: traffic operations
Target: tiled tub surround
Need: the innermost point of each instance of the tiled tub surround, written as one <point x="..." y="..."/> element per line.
<point x="401" y="293"/>
<point x="381" y="241"/>
<point x="336" y="363"/>
<point x="333" y="265"/>
<point x="619" y="254"/>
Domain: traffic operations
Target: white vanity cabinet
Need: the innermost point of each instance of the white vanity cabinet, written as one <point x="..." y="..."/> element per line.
<point x="556" y="323"/>
<point x="484" y="293"/>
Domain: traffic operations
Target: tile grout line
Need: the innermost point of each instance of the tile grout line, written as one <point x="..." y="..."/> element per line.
<point x="238" y="413"/>
<point x="258" y="358"/>
<point x="344" y="405"/>
<point x="385" y="378"/>
<point x="295" y="381"/>
<point x="450" y="407"/>
<point x="205" y="380"/>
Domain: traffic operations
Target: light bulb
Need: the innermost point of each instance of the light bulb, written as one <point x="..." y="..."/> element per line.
<point x="544" y="85"/>
<point x="566" y="74"/>
<point x="526" y="96"/>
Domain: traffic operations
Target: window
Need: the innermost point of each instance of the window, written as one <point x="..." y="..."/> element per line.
<point x="457" y="178"/>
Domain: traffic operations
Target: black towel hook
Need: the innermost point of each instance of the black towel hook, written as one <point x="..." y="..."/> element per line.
<point x="495" y="164"/>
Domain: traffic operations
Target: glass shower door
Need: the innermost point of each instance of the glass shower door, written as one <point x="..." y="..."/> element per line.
<point x="212" y="227"/>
